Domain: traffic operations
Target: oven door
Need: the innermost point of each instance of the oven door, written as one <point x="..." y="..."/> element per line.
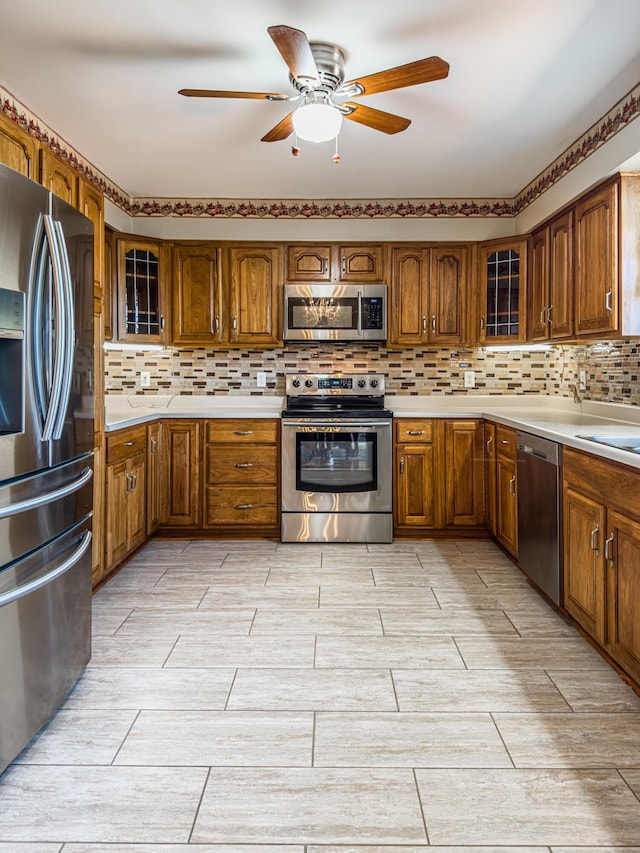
<point x="330" y="466"/>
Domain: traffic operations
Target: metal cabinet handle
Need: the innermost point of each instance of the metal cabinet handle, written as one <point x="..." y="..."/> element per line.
<point x="344" y="265"/>
<point x="235" y="323"/>
<point x="129" y="443"/>
<point x="154" y="446"/>
<point x="512" y="486"/>
<point x="325" y="264"/>
<point x="608" y="549"/>
<point x="217" y="324"/>
<point x="489" y="446"/>
<point x="482" y="323"/>
<point x="402" y="465"/>
<point x="244" y="465"/>
<point x="504" y="441"/>
<point x="129" y="481"/>
<point x="433" y="322"/>
<point x="243" y="506"/>
<point x="542" y="313"/>
<point x="162" y="321"/>
<point x="134" y="481"/>
<point x="549" y="310"/>
<point x="415" y="432"/>
<point x="594" y="533"/>
<point x="607" y="300"/>
<point x="243" y="432"/>
<point x="424" y="323"/>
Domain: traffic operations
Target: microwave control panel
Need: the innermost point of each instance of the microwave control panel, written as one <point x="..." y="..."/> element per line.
<point x="372" y="312"/>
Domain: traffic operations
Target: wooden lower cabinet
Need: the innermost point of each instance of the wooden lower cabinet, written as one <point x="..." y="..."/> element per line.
<point x="126" y="496"/>
<point x="601" y="501"/>
<point x="490" y="496"/>
<point x="438" y="475"/>
<point x="181" y="505"/>
<point x="506" y="489"/>
<point x="154" y="476"/>
<point x="241" y="462"/>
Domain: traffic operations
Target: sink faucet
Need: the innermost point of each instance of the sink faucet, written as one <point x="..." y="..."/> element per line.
<point x="576" y="397"/>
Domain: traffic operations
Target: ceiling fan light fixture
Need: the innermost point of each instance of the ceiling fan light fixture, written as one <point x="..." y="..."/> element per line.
<point x="317" y="121"/>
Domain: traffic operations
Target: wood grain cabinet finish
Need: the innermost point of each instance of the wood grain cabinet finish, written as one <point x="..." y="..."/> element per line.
<point x="142" y="288"/>
<point x="196" y="295"/>
<point x="18" y="150"/>
<point x="561" y="281"/>
<point x="126" y="498"/>
<point x="601" y="501"/>
<point x="416" y="486"/>
<point x="59" y="177"/>
<point x="180" y="468"/>
<point x="501" y="292"/>
<point x="490" y="473"/>
<point x="91" y="204"/>
<point x="110" y="286"/>
<point x="361" y="263"/>
<point x="241" y="475"/>
<point x="309" y="263"/>
<point x="464" y="474"/>
<point x="506" y="490"/>
<point x="429" y="295"/>
<point x="154" y="476"/>
<point x="255" y="294"/>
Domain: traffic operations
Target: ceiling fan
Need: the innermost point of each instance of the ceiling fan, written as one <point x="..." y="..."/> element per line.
<point x="316" y="71"/>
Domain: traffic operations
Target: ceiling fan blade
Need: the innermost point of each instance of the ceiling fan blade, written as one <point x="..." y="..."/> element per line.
<point x="421" y="71"/>
<point x="218" y="93"/>
<point x="377" y="119"/>
<point x="283" y="129"/>
<point x="295" y="49"/>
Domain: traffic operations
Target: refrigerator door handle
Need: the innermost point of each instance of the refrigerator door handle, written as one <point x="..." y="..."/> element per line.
<point x="67" y="329"/>
<point x="47" y="497"/>
<point x="59" y="298"/>
<point x="31" y="586"/>
<point x="40" y="360"/>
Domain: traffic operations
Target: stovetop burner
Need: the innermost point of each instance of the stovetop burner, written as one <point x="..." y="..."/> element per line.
<point x="336" y="395"/>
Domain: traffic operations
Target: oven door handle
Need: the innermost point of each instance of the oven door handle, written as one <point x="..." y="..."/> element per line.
<point x="333" y="427"/>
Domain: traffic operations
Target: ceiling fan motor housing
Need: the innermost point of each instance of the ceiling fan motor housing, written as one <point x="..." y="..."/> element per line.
<point x="330" y="60"/>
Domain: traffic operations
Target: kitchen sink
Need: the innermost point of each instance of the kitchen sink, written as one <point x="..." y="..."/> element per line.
<point x="622" y="442"/>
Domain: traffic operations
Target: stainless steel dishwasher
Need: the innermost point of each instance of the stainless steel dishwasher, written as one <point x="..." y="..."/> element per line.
<point x="539" y="507"/>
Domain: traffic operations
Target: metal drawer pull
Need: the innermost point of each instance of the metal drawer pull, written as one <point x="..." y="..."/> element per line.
<point x="243" y="432"/>
<point x="415" y="432"/>
<point x="594" y="533"/>
<point x="512" y="486"/>
<point x="504" y="441"/>
<point x="243" y="506"/>
<point x="608" y="549"/>
<point x="244" y="464"/>
<point x="129" y="443"/>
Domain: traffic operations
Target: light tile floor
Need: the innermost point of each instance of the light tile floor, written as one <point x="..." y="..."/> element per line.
<point x="255" y="697"/>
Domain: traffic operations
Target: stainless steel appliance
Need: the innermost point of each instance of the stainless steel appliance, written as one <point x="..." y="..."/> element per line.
<point x="539" y="509"/>
<point x="335" y="312"/>
<point x="46" y="454"/>
<point x="336" y="459"/>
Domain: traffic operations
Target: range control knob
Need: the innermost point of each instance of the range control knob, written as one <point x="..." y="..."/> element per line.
<point x="361" y="383"/>
<point x="296" y="383"/>
<point x="374" y="383"/>
<point x="308" y="383"/>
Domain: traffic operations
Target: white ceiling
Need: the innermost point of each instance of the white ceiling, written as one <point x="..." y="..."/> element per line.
<point x="527" y="78"/>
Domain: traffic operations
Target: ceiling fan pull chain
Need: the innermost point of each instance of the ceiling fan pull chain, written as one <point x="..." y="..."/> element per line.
<point x="295" y="150"/>
<point x="336" y="156"/>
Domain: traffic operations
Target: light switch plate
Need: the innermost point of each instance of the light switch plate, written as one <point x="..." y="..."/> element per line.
<point x="469" y="379"/>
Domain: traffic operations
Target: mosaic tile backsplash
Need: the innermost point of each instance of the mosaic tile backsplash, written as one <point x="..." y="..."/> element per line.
<point x="612" y="369"/>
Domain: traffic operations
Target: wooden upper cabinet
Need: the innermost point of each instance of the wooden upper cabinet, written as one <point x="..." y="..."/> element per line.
<point x="410" y="295"/>
<point x="91" y="203"/>
<point x="59" y="177"/>
<point x="502" y="275"/>
<point x="196" y="295"/>
<point x="361" y="263"/>
<point x="110" y="285"/>
<point x="447" y="294"/>
<point x="596" y="248"/>
<point x="309" y="263"/>
<point x="255" y="290"/>
<point x="18" y="150"/>
<point x="561" y="283"/>
<point x="141" y="290"/>
<point x="538" y="289"/>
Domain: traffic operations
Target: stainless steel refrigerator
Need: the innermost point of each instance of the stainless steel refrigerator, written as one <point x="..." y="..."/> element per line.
<point x="46" y="454"/>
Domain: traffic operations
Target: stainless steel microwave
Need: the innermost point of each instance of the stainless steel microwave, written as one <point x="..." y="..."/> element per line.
<point x="335" y="312"/>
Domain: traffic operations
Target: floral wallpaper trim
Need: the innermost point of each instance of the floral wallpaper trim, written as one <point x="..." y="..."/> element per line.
<point x="618" y="117"/>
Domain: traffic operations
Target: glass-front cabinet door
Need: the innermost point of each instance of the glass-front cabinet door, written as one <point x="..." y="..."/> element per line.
<point x="141" y="315"/>
<point x="502" y="274"/>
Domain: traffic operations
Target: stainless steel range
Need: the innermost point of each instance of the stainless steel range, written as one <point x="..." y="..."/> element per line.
<point x="336" y="459"/>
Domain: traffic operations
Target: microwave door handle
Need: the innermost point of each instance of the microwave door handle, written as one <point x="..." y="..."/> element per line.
<point x="359" y="312"/>
<point x="40" y="359"/>
<point x="67" y="330"/>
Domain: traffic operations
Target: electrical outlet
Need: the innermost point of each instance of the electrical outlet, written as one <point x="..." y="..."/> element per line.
<point x="261" y="379"/>
<point x="469" y="379"/>
<point x="145" y="378"/>
<point x="583" y="380"/>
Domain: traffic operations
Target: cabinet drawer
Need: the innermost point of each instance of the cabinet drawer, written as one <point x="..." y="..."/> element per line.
<point x="414" y="431"/>
<point x="242" y="507"/>
<point x="239" y="430"/>
<point x="125" y="443"/>
<point x="506" y="441"/>
<point x="249" y="464"/>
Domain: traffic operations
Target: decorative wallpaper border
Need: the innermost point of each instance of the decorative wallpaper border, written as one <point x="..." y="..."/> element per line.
<point x="618" y="117"/>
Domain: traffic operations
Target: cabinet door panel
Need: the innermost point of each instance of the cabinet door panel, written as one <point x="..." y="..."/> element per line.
<point x="415" y="486"/>
<point x="463" y="473"/>
<point x="196" y="297"/>
<point x="18" y="150"/>
<point x="242" y="507"/>
<point x="561" y="284"/>
<point x="116" y="514"/>
<point x="584" y="566"/>
<point x="490" y="477"/>
<point x="154" y="476"/>
<point x="255" y="296"/>
<point x="308" y="263"/>
<point x="506" y="504"/>
<point x="538" y="290"/>
<point x="141" y="291"/>
<point x="137" y="503"/>
<point x="408" y="320"/>
<point x="229" y="464"/>
<point x="58" y="177"/>
<point x="447" y="295"/>
<point x="361" y="263"/>
<point x="91" y="203"/>
<point x="624" y="593"/>
<point x="597" y="262"/>
<point x="181" y="474"/>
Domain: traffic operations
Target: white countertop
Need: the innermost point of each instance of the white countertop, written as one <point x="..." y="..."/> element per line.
<point x="555" y="418"/>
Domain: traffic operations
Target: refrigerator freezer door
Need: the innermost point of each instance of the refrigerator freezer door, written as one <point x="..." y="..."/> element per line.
<point x="45" y="635"/>
<point x="38" y="508"/>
